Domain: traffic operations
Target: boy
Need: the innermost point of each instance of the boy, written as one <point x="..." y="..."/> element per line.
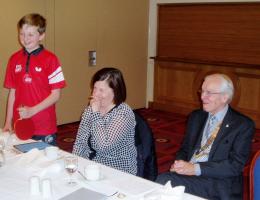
<point x="34" y="78"/>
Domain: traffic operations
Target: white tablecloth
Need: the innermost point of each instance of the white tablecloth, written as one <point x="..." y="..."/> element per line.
<point x="15" y="175"/>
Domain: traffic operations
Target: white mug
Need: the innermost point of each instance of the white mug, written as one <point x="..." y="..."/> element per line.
<point x="51" y="152"/>
<point x="92" y="172"/>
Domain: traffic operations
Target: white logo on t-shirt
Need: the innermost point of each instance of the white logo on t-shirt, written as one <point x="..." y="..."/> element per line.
<point x="38" y="69"/>
<point x="27" y="78"/>
<point x="18" y="68"/>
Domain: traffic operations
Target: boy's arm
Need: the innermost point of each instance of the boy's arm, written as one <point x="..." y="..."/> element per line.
<point x="27" y="112"/>
<point x="9" y="111"/>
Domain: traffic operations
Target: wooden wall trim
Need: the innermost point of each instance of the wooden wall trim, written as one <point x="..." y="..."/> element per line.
<point x="176" y="86"/>
<point x="187" y="60"/>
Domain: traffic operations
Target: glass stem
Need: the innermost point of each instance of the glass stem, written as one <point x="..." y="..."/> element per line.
<point x="70" y="181"/>
<point x="2" y="158"/>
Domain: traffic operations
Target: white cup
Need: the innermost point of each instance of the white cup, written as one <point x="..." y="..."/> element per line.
<point x="46" y="188"/>
<point x="35" y="186"/>
<point x="51" y="152"/>
<point x="92" y="172"/>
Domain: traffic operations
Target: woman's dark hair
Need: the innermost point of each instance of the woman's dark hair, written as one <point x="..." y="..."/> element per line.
<point x="115" y="81"/>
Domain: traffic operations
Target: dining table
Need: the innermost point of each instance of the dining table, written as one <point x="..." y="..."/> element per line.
<point x="18" y="169"/>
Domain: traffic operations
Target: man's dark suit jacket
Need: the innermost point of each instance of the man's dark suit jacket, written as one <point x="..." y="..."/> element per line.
<point x="229" y="152"/>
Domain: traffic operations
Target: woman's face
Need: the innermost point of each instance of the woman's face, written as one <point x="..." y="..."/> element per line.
<point x="103" y="93"/>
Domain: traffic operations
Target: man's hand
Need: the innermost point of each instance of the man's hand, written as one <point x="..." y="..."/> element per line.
<point x="183" y="167"/>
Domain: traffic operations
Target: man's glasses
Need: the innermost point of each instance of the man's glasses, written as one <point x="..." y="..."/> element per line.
<point x="208" y="93"/>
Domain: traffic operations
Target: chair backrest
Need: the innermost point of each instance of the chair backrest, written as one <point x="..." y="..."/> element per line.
<point x="146" y="155"/>
<point x="254" y="177"/>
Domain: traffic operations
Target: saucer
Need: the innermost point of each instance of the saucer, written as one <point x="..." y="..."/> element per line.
<point x="101" y="177"/>
<point x="86" y="179"/>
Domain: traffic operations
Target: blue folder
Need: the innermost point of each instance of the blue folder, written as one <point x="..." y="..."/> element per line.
<point x="29" y="146"/>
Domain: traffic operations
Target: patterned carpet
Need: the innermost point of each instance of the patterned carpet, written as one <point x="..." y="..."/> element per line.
<point x="168" y="129"/>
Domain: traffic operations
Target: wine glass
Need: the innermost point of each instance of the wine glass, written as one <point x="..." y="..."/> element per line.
<point x="71" y="166"/>
<point x="2" y="144"/>
<point x="2" y="154"/>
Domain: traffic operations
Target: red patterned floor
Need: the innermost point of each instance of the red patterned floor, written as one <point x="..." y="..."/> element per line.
<point x="168" y="129"/>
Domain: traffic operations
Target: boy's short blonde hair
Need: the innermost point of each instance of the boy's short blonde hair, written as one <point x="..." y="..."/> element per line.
<point x="33" y="19"/>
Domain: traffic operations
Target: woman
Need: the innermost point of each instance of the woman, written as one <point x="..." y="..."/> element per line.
<point x="107" y="128"/>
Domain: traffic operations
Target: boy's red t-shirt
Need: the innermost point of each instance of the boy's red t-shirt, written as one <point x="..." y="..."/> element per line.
<point x="44" y="74"/>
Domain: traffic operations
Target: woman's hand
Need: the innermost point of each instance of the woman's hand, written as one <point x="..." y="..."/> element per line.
<point x="95" y="103"/>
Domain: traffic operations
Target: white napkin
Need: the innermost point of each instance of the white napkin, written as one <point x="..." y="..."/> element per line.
<point x="31" y="158"/>
<point x="167" y="192"/>
<point x="9" y="138"/>
<point x="51" y="168"/>
<point x="36" y="161"/>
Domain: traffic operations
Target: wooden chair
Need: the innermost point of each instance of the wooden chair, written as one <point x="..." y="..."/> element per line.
<point x="254" y="177"/>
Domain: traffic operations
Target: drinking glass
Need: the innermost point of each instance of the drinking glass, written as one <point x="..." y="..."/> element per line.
<point x="71" y="166"/>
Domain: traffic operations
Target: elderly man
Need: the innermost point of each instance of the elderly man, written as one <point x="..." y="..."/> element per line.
<point x="216" y="146"/>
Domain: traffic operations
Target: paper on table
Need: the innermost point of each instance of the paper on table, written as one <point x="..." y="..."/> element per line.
<point x="135" y="187"/>
<point x="83" y="193"/>
<point x="104" y="187"/>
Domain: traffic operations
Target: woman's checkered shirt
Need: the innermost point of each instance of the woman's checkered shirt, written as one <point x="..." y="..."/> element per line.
<point x="112" y="137"/>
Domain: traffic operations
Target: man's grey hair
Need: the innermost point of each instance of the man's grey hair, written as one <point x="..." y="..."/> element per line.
<point x="226" y="87"/>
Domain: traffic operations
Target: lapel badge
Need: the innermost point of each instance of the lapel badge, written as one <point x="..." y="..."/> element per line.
<point x="227" y="125"/>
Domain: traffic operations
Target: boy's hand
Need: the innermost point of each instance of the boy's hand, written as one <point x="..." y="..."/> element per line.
<point x="26" y="112"/>
<point x="7" y="128"/>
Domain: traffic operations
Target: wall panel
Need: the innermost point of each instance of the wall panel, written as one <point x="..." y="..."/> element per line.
<point x="195" y="40"/>
<point x="178" y="91"/>
<point x="201" y="32"/>
<point x="11" y="11"/>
